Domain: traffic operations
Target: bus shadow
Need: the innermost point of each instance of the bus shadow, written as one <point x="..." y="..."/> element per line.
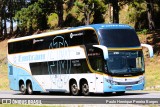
<point x="114" y="94"/>
<point x="91" y="95"/>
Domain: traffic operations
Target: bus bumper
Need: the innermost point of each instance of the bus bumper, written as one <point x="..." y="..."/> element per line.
<point x="116" y="88"/>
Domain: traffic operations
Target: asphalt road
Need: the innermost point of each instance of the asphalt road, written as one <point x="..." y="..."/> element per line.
<point x="130" y="94"/>
<point x="62" y="98"/>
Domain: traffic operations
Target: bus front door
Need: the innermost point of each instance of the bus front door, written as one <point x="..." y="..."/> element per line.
<point x="99" y="83"/>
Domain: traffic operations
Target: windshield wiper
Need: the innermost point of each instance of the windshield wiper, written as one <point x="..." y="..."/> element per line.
<point x="136" y="69"/>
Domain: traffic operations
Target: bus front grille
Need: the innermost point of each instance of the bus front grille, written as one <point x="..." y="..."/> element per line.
<point x="128" y="83"/>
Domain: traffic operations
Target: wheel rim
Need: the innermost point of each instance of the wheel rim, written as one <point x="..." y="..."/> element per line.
<point x="85" y="89"/>
<point x="74" y="89"/>
<point x="22" y="88"/>
<point x="29" y="88"/>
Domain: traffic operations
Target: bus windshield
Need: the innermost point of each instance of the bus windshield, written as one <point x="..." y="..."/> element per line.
<point x="119" y="38"/>
<point x="125" y="62"/>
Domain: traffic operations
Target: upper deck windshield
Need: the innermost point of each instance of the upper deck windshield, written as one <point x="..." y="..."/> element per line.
<point x="119" y="38"/>
<point x="122" y="63"/>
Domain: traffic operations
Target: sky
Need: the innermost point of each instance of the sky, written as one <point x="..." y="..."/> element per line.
<point x="8" y="24"/>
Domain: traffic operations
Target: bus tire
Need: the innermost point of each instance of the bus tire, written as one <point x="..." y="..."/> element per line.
<point x="22" y="88"/>
<point x="85" y="88"/>
<point x="29" y="88"/>
<point x="74" y="88"/>
<point x="108" y="93"/>
<point x="120" y="92"/>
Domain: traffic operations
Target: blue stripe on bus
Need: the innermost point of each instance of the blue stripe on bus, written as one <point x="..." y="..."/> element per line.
<point x="16" y="74"/>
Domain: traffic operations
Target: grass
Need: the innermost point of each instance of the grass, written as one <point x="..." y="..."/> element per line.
<point x="152" y="65"/>
<point x="153" y="73"/>
<point x="4" y="82"/>
<point x="3" y="66"/>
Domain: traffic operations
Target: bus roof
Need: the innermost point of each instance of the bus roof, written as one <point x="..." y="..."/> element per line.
<point x="106" y="26"/>
<point x="92" y="26"/>
<point x="47" y="34"/>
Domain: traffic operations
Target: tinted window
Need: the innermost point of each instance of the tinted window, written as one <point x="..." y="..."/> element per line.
<point x="119" y="38"/>
<point x="42" y="43"/>
<point x="54" y="41"/>
<point x="59" y="67"/>
<point x="76" y="38"/>
<point x="125" y="62"/>
<point x="90" y="37"/>
<point x="79" y="66"/>
<point x="95" y="56"/>
<point x="20" y="46"/>
<point x="39" y="68"/>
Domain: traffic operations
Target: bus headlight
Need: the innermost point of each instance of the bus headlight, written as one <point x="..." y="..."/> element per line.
<point x="112" y="82"/>
<point x="141" y="80"/>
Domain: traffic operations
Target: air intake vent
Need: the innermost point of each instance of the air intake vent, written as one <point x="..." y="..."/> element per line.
<point x="127" y="83"/>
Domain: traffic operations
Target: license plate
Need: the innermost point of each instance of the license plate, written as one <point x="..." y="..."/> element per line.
<point x="128" y="87"/>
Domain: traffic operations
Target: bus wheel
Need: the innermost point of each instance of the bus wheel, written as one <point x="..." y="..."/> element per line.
<point x="120" y="92"/>
<point x="29" y="88"/>
<point x="74" y="88"/>
<point x="108" y="93"/>
<point x="23" y="89"/>
<point x="85" y="88"/>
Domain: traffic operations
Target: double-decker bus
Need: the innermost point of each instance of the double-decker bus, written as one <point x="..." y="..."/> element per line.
<point x="98" y="58"/>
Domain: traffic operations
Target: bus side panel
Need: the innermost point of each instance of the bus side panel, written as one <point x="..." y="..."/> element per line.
<point x="92" y="82"/>
<point x="99" y="83"/>
<point x="16" y="74"/>
<point x="35" y="84"/>
<point x="53" y="82"/>
<point x="12" y="75"/>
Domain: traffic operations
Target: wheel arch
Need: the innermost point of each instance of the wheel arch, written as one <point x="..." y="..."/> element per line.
<point x="82" y="80"/>
<point x="73" y="80"/>
<point x="28" y="80"/>
<point x="21" y="81"/>
<point x="84" y="87"/>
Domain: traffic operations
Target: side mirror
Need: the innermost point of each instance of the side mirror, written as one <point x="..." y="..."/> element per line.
<point x="149" y="47"/>
<point x="104" y="49"/>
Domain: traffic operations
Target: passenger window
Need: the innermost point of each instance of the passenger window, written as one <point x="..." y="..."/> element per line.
<point x="90" y="37"/>
<point x="76" y="38"/>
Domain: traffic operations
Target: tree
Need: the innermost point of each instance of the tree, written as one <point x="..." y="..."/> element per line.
<point x="89" y="8"/>
<point x="4" y="16"/>
<point x="28" y="17"/>
<point x="59" y="11"/>
<point x="3" y="19"/>
<point x="99" y="11"/>
<point x="47" y="7"/>
<point x="150" y="14"/>
<point x="10" y="14"/>
<point x="115" y="11"/>
<point x="115" y="15"/>
<point x="136" y="12"/>
<point x="86" y="7"/>
<point x="1" y="4"/>
<point x="35" y="15"/>
<point x="8" y="9"/>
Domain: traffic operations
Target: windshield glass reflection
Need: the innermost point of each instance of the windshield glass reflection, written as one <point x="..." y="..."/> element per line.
<point x="125" y="62"/>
